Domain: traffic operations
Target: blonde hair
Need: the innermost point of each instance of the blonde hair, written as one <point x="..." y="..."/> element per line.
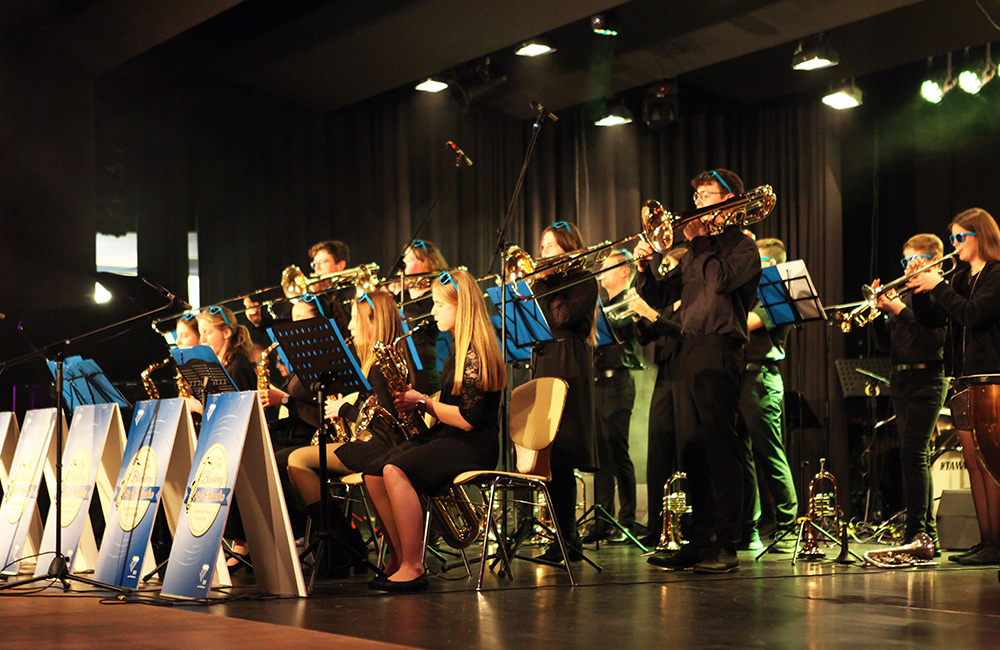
<point x="239" y="339"/>
<point x="773" y="248"/>
<point x="473" y="329"/>
<point x="379" y="324"/>
<point x="926" y="244"/>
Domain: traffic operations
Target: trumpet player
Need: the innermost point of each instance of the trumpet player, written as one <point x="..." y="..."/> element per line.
<point x="615" y="393"/>
<point x="716" y="282"/>
<point x="422" y="257"/>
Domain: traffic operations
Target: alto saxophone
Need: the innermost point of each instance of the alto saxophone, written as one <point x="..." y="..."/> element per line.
<point x="263" y="371"/>
<point x="459" y="522"/>
<point x="147" y="381"/>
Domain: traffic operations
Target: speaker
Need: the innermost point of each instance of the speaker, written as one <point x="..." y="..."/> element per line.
<point x="956" y="520"/>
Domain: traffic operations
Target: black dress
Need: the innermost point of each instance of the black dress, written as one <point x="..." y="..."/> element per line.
<point x="433" y="459"/>
<point x="570" y="313"/>
<point x="358" y="455"/>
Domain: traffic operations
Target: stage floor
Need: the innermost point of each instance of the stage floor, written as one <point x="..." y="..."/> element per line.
<point x="629" y="604"/>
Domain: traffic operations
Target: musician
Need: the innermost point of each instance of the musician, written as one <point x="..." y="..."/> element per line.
<point x="423" y="257"/>
<point x="572" y="316"/>
<point x="918" y="383"/>
<point x="716" y="282"/>
<point x="972" y="302"/>
<point x="615" y="391"/>
<point x="662" y="326"/>
<point x="187" y="335"/>
<point x="762" y="395"/>
<point x="464" y="439"/>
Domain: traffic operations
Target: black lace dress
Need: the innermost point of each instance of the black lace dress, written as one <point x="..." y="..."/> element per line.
<point x="431" y="460"/>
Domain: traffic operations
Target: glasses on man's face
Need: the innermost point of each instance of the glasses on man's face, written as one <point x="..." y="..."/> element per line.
<point x="320" y="260"/>
<point x="704" y="195"/>
<point x="959" y="237"/>
<point x="218" y="311"/>
<point x="445" y="278"/>
<point x="905" y="262"/>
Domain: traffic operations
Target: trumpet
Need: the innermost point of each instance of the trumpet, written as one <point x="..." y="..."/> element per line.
<point x="295" y="284"/>
<point x="620" y="309"/>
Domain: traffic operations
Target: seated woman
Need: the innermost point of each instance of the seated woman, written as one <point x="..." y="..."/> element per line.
<point x="374" y="317"/>
<point x="465" y="437"/>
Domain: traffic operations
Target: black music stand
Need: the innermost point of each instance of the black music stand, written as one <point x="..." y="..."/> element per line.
<point x="788" y="295"/>
<point x="84" y="383"/>
<point x="203" y="371"/>
<point x="321" y="358"/>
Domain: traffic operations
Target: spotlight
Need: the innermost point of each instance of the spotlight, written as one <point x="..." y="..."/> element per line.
<point x="431" y="86"/>
<point x="660" y="106"/>
<point x="937" y="86"/>
<point x="847" y="96"/>
<point x="972" y="80"/>
<point x="816" y="57"/>
<point x="615" y="115"/>
<point x="484" y="81"/>
<point x="605" y="24"/>
<point x="535" y="47"/>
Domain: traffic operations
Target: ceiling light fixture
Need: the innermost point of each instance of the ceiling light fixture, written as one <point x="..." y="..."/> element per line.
<point x="936" y="87"/>
<point x="605" y="24"/>
<point x="846" y="96"/>
<point x="431" y="86"/>
<point x="615" y="115"/>
<point x="816" y="57"/>
<point x="972" y="80"/>
<point x="535" y="47"/>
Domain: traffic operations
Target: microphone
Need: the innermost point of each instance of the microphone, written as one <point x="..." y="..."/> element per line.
<point x="461" y="154"/>
<point x="535" y="106"/>
<point x="166" y="294"/>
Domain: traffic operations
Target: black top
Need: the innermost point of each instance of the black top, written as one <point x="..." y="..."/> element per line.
<point x="913" y="341"/>
<point x="620" y="354"/>
<point x="972" y="302"/>
<point x="425" y="341"/>
<point x="241" y="370"/>
<point x="665" y="330"/>
<point x="716" y="282"/>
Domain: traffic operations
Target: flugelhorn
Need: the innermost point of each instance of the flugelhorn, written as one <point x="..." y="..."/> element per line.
<point x="674" y="506"/>
<point x="823" y="506"/>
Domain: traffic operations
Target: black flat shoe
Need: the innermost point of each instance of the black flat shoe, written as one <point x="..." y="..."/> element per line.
<point x="420" y="583"/>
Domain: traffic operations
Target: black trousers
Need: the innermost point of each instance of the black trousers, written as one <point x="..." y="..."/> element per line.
<point x="661" y="452"/>
<point x="917" y="398"/>
<point x="615" y="398"/>
<point x="712" y="451"/>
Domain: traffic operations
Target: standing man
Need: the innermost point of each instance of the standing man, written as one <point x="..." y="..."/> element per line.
<point x="762" y="397"/>
<point x="716" y="283"/>
<point x="615" y="393"/>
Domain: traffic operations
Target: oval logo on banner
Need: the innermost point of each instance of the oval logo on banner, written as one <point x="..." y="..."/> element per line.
<point x="19" y="487"/>
<point x="75" y="486"/>
<point x="208" y="491"/>
<point x="137" y="489"/>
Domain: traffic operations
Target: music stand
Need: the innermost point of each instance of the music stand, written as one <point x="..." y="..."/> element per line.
<point x="84" y="383"/>
<point x="203" y="371"/>
<point x="322" y="359"/>
<point x="788" y="295"/>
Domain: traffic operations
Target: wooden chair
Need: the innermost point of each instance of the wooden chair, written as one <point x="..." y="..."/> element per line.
<point x="535" y="412"/>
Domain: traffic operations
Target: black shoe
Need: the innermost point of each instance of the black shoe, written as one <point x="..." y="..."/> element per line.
<point x="719" y="560"/>
<point x="553" y="554"/>
<point x="975" y="549"/>
<point x="684" y="558"/>
<point x="420" y="583"/>
<point x="650" y="540"/>
<point x="988" y="554"/>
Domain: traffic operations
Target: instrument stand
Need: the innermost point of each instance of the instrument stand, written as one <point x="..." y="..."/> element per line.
<point x="56" y="352"/>
<point x="597" y="512"/>
<point x="800" y="533"/>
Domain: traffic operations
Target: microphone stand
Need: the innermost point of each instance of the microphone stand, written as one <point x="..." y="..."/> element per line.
<point x="498" y="257"/>
<point x="59" y="568"/>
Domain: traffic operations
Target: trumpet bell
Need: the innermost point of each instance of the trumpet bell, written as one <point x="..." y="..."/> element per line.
<point x="517" y="264"/>
<point x="657" y="226"/>
<point x="293" y="282"/>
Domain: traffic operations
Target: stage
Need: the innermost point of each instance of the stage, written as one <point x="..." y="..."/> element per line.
<point x="630" y="604"/>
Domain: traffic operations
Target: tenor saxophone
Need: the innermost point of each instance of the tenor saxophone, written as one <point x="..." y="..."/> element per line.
<point x="147" y="381"/>
<point x="458" y="519"/>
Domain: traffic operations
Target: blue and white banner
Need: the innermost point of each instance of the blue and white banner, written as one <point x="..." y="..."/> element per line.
<point x="19" y="509"/>
<point x="137" y="493"/>
<point x="209" y="494"/>
<point x="88" y="433"/>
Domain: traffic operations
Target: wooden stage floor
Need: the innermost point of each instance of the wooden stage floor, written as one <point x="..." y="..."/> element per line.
<point x="630" y="604"/>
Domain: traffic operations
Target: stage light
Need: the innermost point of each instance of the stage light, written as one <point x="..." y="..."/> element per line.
<point x="935" y="87"/>
<point x="818" y="56"/>
<point x="615" y="115"/>
<point x="972" y="80"/>
<point x="660" y="105"/>
<point x="535" y="47"/>
<point x="431" y="86"/>
<point x="101" y="295"/>
<point x="605" y="24"/>
<point x="485" y="79"/>
<point x="846" y="96"/>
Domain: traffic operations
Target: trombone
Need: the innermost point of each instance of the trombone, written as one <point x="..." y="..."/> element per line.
<point x="867" y="310"/>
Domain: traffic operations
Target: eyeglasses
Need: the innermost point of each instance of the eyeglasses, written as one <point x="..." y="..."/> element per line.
<point x="721" y="182"/>
<point x="445" y="278"/>
<point x="191" y="315"/>
<point x="959" y="237"/>
<point x="314" y="299"/>
<point x="316" y="262"/>
<point x="561" y="224"/>
<point x="770" y="259"/>
<point x="419" y="243"/>
<point x="905" y="262"/>
<point x="704" y="195"/>
<point x="364" y="296"/>
<point x="218" y="311"/>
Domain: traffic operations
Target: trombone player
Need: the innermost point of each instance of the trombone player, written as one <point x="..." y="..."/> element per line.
<point x="716" y="282"/>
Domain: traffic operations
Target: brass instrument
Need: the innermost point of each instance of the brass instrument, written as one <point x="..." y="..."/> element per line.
<point x="674" y="505"/>
<point x="621" y="308"/>
<point x="147" y="381"/>
<point x="741" y="210"/>
<point x="823" y="507"/>
<point x="459" y="521"/>
<point x="183" y="387"/>
<point x="263" y="371"/>
<point x="919" y="551"/>
<point x="867" y="310"/>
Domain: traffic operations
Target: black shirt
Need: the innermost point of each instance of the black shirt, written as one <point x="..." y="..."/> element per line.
<point x="716" y="282"/>
<point x="912" y="341"/>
